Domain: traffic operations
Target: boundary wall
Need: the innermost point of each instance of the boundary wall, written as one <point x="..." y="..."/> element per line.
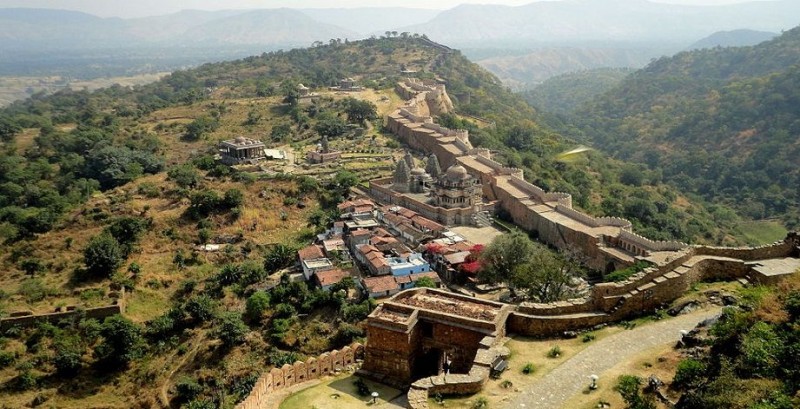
<point x="288" y="375"/>
<point x="27" y="319"/>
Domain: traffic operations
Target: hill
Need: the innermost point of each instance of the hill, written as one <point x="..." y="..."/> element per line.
<point x="117" y="189"/>
<point x="721" y="123"/>
<point x="532" y="69"/>
<point x="734" y="38"/>
<point x="564" y="93"/>
<point x="589" y="21"/>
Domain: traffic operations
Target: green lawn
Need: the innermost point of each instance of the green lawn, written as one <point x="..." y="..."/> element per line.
<point x="762" y="232"/>
<point x="340" y="393"/>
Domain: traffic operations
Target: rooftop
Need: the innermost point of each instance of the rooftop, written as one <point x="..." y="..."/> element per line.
<point x="380" y="284"/>
<point x="329" y="277"/>
<point x="242" y="142"/>
<point x="310" y="253"/>
<point x="443" y="302"/>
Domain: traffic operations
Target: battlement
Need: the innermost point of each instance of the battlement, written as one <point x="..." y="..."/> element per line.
<point x="650" y="245"/>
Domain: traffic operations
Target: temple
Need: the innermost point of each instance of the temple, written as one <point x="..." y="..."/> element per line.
<point x="242" y="151"/>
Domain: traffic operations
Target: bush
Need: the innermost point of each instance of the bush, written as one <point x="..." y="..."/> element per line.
<point x="689" y="373"/>
<point x="588" y="338"/>
<point x="122" y="342"/>
<point x="103" y="256"/>
<point x="201" y="308"/>
<point x="480" y="403"/>
<point x="257" y="304"/>
<point x="528" y="368"/>
<point x="187" y="389"/>
<point x="7" y="358"/>
<point x="280" y="358"/>
<point x="231" y="330"/>
<point x="554" y="352"/>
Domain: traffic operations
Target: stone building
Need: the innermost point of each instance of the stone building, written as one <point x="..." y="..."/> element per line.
<point x="412" y="334"/>
<point x="457" y="189"/>
<point x="323" y="153"/>
<point x="348" y="85"/>
<point x="242" y="151"/>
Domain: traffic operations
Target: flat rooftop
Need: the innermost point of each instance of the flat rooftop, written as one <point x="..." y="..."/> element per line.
<point x="446" y="303"/>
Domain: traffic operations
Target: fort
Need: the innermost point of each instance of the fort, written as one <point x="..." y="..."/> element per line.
<point x="434" y="341"/>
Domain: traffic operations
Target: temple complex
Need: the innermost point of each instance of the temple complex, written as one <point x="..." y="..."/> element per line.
<point x="323" y="153"/>
<point x="242" y="151"/>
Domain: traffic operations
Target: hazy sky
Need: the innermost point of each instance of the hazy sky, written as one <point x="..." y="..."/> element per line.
<point x="137" y="8"/>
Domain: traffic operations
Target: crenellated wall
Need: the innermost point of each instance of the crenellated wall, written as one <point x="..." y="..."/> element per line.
<point x="301" y="371"/>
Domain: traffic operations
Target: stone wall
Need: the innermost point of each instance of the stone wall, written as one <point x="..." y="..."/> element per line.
<point x="302" y="371"/>
<point x="25" y="319"/>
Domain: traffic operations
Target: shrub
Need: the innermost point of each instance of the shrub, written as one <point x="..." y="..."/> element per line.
<point x="480" y="403"/>
<point x="187" y="389"/>
<point x="689" y="373"/>
<point x="588" y="338"/>
<point x="280" y="358"/>
<point x="231" y="330"/>
<point x="257" y="304"/>
<point x="528" y="368"/>
<point x="122" y="342"/>
<point x="200" y="308"/>
<point x="554" y="352"/>
<point x="7" y="358"/>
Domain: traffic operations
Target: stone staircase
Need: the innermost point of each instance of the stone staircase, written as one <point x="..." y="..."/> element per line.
<point x="482" y="219"/>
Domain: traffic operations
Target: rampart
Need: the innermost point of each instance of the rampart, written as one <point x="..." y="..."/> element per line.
<point x="288" y="375"/>
<point x="26" y="319"/>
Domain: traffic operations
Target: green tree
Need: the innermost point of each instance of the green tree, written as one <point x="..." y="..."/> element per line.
<point x="257" y="304"/>
<point x="8" y="129"/>
<point x="231" y="330"/>
<point x="629" y="387"/>
<point x="359" y="110"/>
<point x="331" y="126"/>
<point x="198" y="128"/>
<point x="122" y="342"/>
<point x="185" y="176"/>
<point x="546" y="277"/>
<point x="103" y="256"/>
<point x="503" y="255"/>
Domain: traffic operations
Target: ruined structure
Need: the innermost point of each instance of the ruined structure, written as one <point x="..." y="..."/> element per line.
<point x="242" y="151"/>
<point x="323" y="153"/>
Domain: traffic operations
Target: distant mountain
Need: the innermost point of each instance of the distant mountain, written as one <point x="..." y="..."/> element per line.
<point x="371" y="20"/>
<point x="168" y="27"/>
<point x="23" y="29"/>
<point x="734" y="38"/>
<point x="719" y="122"/>
<point x="526" y="71"/>
<point x="571" y="21"/>
<point x="264" y="27"/>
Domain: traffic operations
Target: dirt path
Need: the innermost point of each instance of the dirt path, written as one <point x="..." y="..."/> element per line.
<point x="572" y="376"/>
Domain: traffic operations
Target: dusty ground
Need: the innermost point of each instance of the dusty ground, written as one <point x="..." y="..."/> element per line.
<point x="477" y="235"/>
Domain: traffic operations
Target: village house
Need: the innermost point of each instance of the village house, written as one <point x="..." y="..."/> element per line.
<point x="313" y="260"/>
<point x="325" y="279"/>
<point x="386" y="286"/>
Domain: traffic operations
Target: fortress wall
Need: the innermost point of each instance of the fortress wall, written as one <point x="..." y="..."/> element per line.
<point x="98" y="313"/>
<point x="546" y="326"/>
<point x="299" y="372"/>
<point x="579" y="216"/>
<point x="615" y="222"/>
<point x="648" y="245"/>
<point x="535" y="191"/>
<point x="778" y="249"/>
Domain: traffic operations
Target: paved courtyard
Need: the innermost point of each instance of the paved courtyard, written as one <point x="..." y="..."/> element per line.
<point x="477" y="235"/>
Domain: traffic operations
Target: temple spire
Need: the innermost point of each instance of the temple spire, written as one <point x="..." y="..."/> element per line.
<point x="432" y="167"/>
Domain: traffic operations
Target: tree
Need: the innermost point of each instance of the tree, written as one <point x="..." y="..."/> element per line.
<point x="231" y="329"/>
<point x="257" y="304"/>
<point x="103" y="256"/>
<point x="67" y="358"/>
<point x="502" y="256"/>
<point x="8" y="129"/>
<point x="198" y="128"/>
<point x="425" y="282"/>
<point x="279" y="256"/>
<point x="359" y="110"/>
<point x="546" y="277"/>
<point x="331" y="126"/>
<point x="127" y="231"/>
<point x="185" y="176"/>
<point x="122" y="342"/>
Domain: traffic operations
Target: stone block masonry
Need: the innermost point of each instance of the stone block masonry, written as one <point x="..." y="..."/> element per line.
<point x="302" y="371"/>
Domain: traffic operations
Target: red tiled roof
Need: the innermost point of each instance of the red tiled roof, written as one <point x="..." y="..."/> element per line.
<point x="430" y="274"/>
<point x="457" y="258"/>
<point x="426" y="223"/>
<point x="380" y="284"/>
<point x="329" y="277"/>
<point x="408" y="214"/>
<point x="310" y="253"/>
<point x="360" y="232"/>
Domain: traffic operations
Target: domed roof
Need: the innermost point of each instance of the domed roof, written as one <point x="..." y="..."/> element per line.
<point x="417" y="171"/>
<point x="241" y="139"/>
<point x="456" y="172"/>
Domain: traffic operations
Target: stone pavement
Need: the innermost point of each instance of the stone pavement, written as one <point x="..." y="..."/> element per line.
<point x="572" y="376"/>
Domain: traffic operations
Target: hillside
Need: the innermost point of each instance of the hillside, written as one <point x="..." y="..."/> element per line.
<point x="720" y="123"/>
<point x="733" y="38"/>
<point x="117" y="189"/>
<point x="530" y="70"/>
<point x="564" y="93"/>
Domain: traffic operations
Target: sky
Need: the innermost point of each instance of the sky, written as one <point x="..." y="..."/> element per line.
<point x="140" y="8"/>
